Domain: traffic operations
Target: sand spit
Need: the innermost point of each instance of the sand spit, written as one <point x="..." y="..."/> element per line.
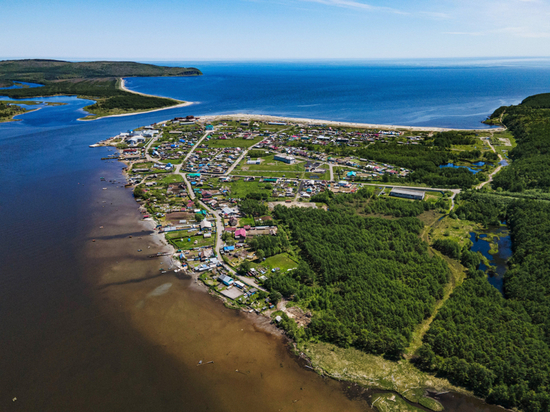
<point x="123" y="87"/>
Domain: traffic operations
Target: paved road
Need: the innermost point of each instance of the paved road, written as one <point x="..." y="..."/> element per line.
<point x="148" y="145"/>
<point x="241" y="157"/>
<point x="219" y="220"/>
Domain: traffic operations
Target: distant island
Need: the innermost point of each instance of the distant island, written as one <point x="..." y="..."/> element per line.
<point x="101" y="81"/>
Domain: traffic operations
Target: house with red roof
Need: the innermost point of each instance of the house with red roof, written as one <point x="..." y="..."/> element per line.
<point x="240" y="233"/>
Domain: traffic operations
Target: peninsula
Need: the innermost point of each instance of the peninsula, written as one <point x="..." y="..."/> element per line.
<point x="373" y="248"/>
<point x="216" y="188"/>
<point x="101" y="81"/>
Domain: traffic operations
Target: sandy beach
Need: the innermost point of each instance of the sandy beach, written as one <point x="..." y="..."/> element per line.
<point x="266" y="118"/>
<point x="304" y="121"/>
<point x="123" y="87"/>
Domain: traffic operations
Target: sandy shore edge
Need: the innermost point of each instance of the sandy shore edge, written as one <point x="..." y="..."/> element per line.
<point x="305" y="121"/>
<point x="122" y="86"/>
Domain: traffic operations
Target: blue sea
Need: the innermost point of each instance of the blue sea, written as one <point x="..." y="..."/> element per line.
<point x="442" y="93"/>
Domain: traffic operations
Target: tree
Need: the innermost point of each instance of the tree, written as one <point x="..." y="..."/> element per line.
<point x="244" y="267"/>
<point x="275" y="297"/>
<point x="252" y="207"/>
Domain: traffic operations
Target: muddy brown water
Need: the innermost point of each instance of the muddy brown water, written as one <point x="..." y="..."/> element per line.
<point x="95" y="326"/>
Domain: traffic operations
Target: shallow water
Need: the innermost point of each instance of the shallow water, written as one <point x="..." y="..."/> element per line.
<point x="498" y="260"/>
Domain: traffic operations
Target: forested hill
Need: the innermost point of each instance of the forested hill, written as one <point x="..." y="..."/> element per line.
<point x="540" y="101"/>
<point x="99" y="81"/>
<point x="499" y="345"/>
<point x="40" y="71"/>
<point x="529" y="122"/>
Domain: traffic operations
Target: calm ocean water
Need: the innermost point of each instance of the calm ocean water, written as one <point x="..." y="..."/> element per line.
<point x="445" y="93"/>
<point x="64" y="347"/>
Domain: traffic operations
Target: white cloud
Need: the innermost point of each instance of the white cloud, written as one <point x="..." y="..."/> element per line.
<point x="352" y="4"/>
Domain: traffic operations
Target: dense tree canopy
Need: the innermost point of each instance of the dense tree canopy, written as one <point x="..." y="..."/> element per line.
<point x="498" y="345"/>
<point x="368" y="281"/>
<point x="252" y="207"/>
<point x="425" y="160"/>
<point x="531" y="164"/>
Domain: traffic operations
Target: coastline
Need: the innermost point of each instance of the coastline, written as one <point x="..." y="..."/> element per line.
<point x="399" y="379"/>
<point x="176" y="315"/>
<point x="269" y="118"/>
<point x="121" y="86"/>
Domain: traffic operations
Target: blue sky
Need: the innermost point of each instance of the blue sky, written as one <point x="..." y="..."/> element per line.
<point x="273" y="29"/>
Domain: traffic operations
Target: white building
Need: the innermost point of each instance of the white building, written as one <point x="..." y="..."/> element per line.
<point x="284" y="158"/>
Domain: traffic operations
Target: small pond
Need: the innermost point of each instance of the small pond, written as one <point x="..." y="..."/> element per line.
<point x="498" y="260"/>
<point x="476" y="167"/>
<point x="20" y="85"/>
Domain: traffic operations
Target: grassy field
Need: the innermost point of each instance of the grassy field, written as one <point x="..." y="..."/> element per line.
<point x="240" y="188"/>
<point x="454" y="229"/>
<point x="173" y="161"/>
<point x="269" y="164"/>
<point x="177" y="235"/>
<point x="201" y="241"/>
<point x="374" y="371"/>
<point x="282" y="261"/>
<point x="172" y="178"/>
<point x="236" y="142"/>
<point x="243" y="221"/>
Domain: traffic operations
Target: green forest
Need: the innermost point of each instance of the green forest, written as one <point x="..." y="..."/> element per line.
<point x="499" y="344"/>
<point x="530" y="124"/>
<point x="368" y="281"/>
<point x="92" y="80"/>
<point x="424" y="159"/>
<point x="43" y="71"/>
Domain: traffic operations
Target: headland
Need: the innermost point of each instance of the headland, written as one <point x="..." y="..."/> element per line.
<point x="100" y="81"/>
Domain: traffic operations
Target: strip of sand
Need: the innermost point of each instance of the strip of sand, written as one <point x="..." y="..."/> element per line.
<point x="266" y="118"/>
<point x="122" y="86"/>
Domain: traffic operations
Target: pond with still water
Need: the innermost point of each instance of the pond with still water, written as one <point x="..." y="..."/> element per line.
<point x="482" y="243"/>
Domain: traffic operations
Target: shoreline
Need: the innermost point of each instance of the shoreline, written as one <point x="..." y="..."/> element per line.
<point x="268" y="118"/>
<point x="121" y="86"/>
<point x="368" y="381"/>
